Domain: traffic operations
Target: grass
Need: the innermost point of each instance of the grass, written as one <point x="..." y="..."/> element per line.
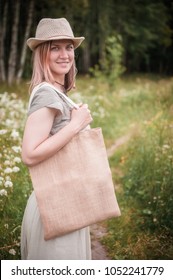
<point x="141" y="168"/>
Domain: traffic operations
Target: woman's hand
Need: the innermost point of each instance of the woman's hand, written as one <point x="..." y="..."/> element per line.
<point x="37" y="145"/>
<point x="81" y="117"/>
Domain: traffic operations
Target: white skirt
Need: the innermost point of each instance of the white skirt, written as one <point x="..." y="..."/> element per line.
<point x="72" y="246"/>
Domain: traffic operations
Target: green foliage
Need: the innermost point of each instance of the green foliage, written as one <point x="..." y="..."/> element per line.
<point x="110" y="66"/>
<point x="143" y="31"/>
<point x="144" y="26"/>
<point x="139" y="106"/>
<point x="149" y="174"/>
<point x="14" y="179"/>
<point x="126" y="242"/>
<point x="143" y="173"/>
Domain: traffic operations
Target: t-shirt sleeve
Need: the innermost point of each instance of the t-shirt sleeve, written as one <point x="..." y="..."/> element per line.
<point x="46" y="97"/>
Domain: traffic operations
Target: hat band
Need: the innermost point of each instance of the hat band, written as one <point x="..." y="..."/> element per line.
<point x="56" y="36"/>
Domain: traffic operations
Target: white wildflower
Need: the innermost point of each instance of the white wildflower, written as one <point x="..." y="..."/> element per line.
<point x="8" y="184"/>
<point x="16" y="149"/>
<point x="3" y="192"/>
<point x="14" y="134"/>
<point x="8" y="170"/>
<point x="166" y="146"/>
<point x="16" y="169"/>
<point x="7" y="162"/>
<point x="12" y="252"/>
<point x="12" y="114"/>
<point x="8" y="122"/>
<point x="17" y="159"/>
<point x="6" y="226"/>
<point x="3" y="131"/>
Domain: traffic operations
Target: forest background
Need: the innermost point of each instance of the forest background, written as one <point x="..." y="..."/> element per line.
<point x="143" y="27"/>
<point x="125" y="75"/>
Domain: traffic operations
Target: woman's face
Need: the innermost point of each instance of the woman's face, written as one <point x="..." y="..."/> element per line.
<point x="61" y="57"/>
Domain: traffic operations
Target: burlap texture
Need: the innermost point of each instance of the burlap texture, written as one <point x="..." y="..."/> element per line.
<point x="74" y="188"/>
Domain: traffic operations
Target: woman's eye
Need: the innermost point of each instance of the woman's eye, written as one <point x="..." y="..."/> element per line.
<point x="70" y="47"/>
<point x="54" y="48"/>
<point x="57" y="48"/>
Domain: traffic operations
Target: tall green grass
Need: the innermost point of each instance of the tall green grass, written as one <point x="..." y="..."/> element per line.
<point x="141" y="168"/>
<point x="14" y="178"/>
<point x="145" y="229"/>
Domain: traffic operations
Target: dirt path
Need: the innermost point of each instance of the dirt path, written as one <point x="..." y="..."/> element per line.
<point x="98" y="250"/>
<point x="98" y="231"/>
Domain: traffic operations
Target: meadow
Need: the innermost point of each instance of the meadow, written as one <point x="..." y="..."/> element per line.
<point x="142" y="167"/>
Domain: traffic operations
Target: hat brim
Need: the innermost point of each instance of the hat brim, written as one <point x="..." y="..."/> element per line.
<point x="34" y="42"/>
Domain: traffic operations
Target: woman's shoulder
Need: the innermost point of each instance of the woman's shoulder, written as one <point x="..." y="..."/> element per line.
<point x="44" y="88"/>
<point x="45" y="92"/>
<point x="45" y="96"/>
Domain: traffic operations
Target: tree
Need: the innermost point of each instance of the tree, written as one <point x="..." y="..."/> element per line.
<point x="12" y="55"/>
<point x="145" y="27"/>
<point x="14" y="43"/>
<point x="24" y="48"/>
<point x="3" y="21"/>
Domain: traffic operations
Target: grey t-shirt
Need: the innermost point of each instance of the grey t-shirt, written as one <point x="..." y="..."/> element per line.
<point x="48" y="97"/>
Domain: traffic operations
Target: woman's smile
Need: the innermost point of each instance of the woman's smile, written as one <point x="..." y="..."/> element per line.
<point x="61" y="57"/>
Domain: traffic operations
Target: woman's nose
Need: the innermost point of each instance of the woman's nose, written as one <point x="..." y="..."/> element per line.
<point x="63" y="53"/>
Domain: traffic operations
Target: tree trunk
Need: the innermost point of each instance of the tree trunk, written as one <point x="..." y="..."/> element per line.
<point x="2" y="36"/>
<point x="86" y="59"/>
<point x="13" y="50"/>
<point x="24" y="48"/>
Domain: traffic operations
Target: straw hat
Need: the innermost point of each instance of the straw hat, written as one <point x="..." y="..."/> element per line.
<point x="50" y="29"/>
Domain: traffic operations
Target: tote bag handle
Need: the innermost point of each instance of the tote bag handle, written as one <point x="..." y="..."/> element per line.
<point x="62" y="95"/>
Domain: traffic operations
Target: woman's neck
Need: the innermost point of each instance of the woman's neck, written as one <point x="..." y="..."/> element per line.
<point x="59" y="86"/>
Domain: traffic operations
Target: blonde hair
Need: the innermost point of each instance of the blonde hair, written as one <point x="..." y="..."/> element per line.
<point x="41" y="70"/>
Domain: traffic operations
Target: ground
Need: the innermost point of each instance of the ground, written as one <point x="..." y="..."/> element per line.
<point x="98" y="230"/>
<point x="98" y="250"/>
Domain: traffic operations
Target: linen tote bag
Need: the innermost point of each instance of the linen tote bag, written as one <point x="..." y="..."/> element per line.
<point x="74" y="187"/>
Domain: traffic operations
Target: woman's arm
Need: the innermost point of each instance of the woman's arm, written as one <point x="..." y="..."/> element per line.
<point x="37" y="145"/>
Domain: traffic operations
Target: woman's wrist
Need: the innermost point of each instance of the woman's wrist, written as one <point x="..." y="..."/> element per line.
<point x="74" y="128"/>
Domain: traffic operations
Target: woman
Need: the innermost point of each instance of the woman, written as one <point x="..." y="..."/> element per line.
<point x="50" y="125"/>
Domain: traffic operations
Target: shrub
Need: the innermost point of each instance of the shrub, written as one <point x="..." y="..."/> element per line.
<point x="149" y="175"/>
<point x="110" y="66"/>
<point x="14" y="179"/>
